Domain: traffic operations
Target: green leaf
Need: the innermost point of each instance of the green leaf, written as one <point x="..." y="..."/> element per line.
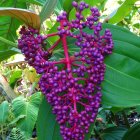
<point x="4" y="110"/>
<point x="122" y="11"/>
<point x="5" y="53"/>
<point x="122" y="34"/>
<point x="47" y="9"/>
<point x="47" y="127"/>
<point x="68" y="5"/>
<point x="53" y="30"/>
<point x="122" y="78"/>
<point x="16" y="120"/>
<point x="8" y="27"/>
<point x="59" y="6"/>
<point x="8" y="42"/>
<point x="16" y="134"/>
<point x="138" y="109"/>
<point x="133" y="133"/>
<point x="113" y="133"/>
<point x="121" y="85"/>
<point x="28" y="17"/>
<point x="28" y="107"/>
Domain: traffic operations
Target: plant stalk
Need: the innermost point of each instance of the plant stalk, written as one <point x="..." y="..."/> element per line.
<point x="68" y="63"/>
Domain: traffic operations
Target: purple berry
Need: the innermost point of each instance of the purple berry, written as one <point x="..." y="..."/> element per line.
<point x="75" y="4"/>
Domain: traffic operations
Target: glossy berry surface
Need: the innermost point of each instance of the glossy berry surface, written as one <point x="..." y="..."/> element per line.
<point x="74" y="91"/>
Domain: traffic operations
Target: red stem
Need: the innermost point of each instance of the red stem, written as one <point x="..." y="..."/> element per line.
<point x="59" y="62"/>
<point x="68" y="61"/>
<point x="49" y="35"/>
<point x="76" y="65"/>
<point x="65" y="47"/>
<point x="54" y="45"/>
<point x="85" y="105"/>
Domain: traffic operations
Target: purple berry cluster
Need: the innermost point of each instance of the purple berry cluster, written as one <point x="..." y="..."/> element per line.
<point x="74" y="91"/>
<point x="31" y="45"/>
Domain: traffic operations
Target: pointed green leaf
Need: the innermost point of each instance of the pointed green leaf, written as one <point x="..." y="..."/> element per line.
<point x="113" y="133"/>
<point x="8" y="28"/>
<point x="47" y="9"/>
<point x="133" y="133"/>
<point x="8" y="42"/>
<point x="122" y="78"/>
<point x="8" y="24"/>
<point x="28" y="17"/>
<point x="7" y="48"/>
<point x="4" y="110"/>
<point x="122" y="11"/>
<point x="59" y="6"/>
<point x="28" y="107"/>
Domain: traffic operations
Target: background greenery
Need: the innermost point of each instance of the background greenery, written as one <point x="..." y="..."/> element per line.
<point x="25" y="114"/>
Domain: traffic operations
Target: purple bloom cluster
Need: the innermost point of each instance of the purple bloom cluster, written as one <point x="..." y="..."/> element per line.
<point x="74" y="92"/>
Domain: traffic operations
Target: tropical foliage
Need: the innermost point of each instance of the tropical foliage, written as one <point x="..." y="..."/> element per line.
<point x="24" y="111"/>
